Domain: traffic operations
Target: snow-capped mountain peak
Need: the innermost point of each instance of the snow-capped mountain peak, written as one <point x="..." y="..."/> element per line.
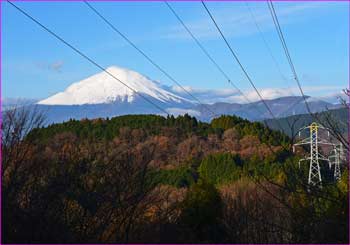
<point x="103" y="88"/>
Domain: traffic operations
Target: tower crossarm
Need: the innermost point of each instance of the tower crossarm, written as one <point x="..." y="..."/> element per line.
<point x="321" y="157"/>
<point x="303" y="142"/>
<point x="324" y="142"/>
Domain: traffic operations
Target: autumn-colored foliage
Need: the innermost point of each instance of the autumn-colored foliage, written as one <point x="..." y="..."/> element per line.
<point x="154" y="179"/>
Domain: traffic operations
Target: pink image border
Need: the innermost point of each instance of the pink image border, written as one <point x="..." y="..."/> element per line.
<point x="1" y="22"/>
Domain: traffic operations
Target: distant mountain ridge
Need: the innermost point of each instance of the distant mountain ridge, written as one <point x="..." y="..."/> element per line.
<point x="338" y="117"/>
<point x="281" y="107"/>
<point x="101" y="95"/>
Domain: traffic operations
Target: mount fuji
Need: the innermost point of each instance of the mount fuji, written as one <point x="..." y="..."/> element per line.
<point x="104" y="87"/>
<point x="102" y="95"/>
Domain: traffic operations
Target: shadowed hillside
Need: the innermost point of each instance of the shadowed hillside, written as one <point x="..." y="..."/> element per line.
<point x="337" y="116"/>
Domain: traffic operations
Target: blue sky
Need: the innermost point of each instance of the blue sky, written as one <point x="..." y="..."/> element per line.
<point x="36" y="65"/>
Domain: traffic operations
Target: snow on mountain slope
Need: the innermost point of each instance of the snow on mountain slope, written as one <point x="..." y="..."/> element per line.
<point x="102" y="88"/>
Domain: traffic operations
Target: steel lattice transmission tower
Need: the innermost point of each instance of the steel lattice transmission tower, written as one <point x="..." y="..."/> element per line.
<point x="315" y="157"/>
<point x="336" y="158"/>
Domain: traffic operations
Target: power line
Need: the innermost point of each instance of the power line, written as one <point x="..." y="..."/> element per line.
<point x="206" y="52"/>
<point x="240" y="64"/>
<point x="209" y="56"/>
<point x="268" y="48"/>
<point x="114" y="28"/>
<point x="84" y="55"/>
<point x="286" y="51"/>
<point x="284" y="44"/>
<point x="217" y="65"/>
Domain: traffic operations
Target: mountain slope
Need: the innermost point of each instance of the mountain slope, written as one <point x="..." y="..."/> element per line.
<point x="103" y="88"/>
<point x="338" y="117"/>
<point x="281" y="107"/>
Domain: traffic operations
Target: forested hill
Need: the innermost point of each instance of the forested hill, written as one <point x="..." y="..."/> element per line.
<point x="337" y="117"/>
<point x="153" y="179"/>
<point x="150" y="125"/>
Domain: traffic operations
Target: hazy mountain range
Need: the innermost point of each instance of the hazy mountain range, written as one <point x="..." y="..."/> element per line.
<point x="101" y="95"/>
<point x="291" y="124"/>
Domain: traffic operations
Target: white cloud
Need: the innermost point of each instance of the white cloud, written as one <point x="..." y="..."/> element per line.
<point x="266" y="94"/>
<point x="322" y="88"/>
<point x="330" y="93"/>
<point x="180" y="90"/>
<point x="179" y="111"/>
<point x="205" y="95"/>
<point x="55" y="66"/>
<point x="334" y="98"/>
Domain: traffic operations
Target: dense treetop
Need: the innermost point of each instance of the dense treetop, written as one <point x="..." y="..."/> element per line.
<point x="157" y="125"/>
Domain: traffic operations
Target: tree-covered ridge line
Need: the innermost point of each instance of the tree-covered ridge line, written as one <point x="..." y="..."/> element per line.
<point x="185" y="125"/>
